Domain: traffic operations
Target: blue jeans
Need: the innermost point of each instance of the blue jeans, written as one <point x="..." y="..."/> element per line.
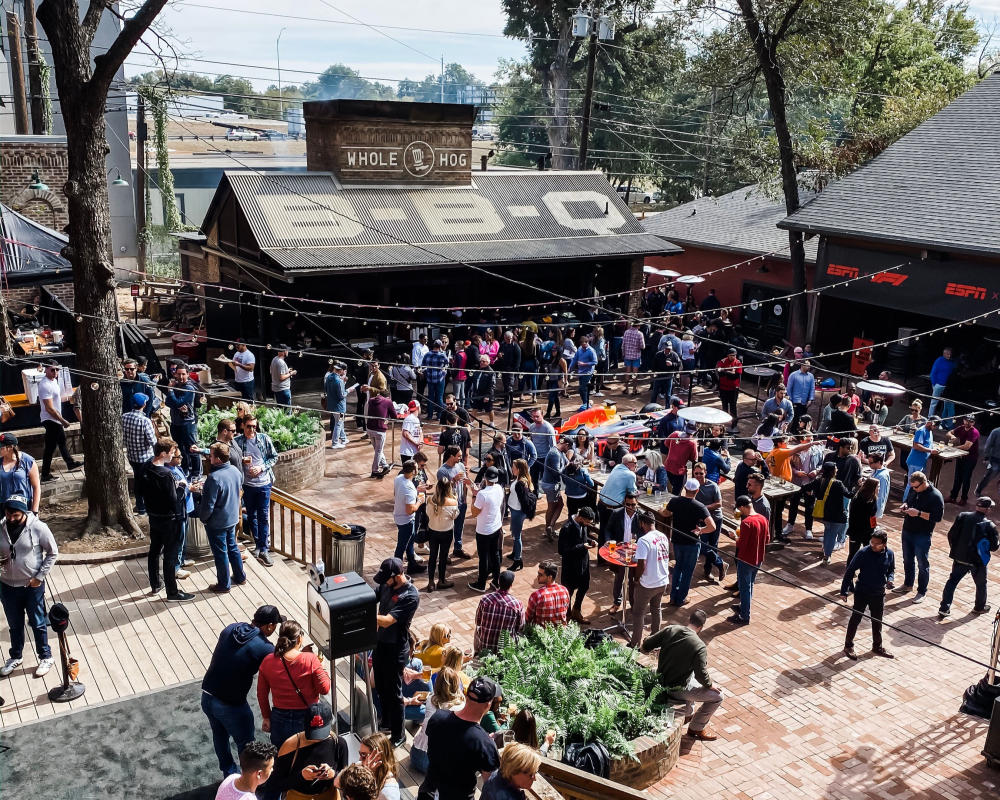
<point x="228" y="722"/>
<point x="283" y="397"/>
<point x="285" y="723"/>
<point x="685" y="560"/>
<point x="182" y="543"/>
<point x="257" y="502"/>
<point x="404" y="542"/>
<point x="516" y="524"/>
<point x="337" y="432"/>
<point x="460" y="524"/>
<point x="246" y="389"/>
<point x="21" y="601"/>
<point x="664" y="386"/>
<point x="419" y="760"/>
<point x="746" y="574"/>
<point x="585" y="389"/>
<point x="435" y="399"/>
<point x="832" y="532"/>
<point x="710" y="547"/>
<point x="529" y="381"/>
<point x="948" y="408"/>
<point x="186" y="434"/>
<point x="227" y="554"/>
<point x="916" y="547"/>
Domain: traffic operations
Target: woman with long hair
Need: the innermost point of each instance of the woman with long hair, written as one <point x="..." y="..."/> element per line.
<point x="600" y="345"/>
<point x="490" y="346"/>
<point x="292" y="679"/>
<point x="578" y="485"/>
<point x="442" y="511"/>
<point x="524" y="728"/>
<point x="583" y="446"/>
<point x="448" y="693"/>
<point x="653" y="470"/>
<point x="517" y="502"/>
<point x="861" y="522"/>
<point x="529" y="364"/>
<point x="18" y="473"/>
<point x="243" y="410"/>
<point x="377" y="754"/>
<point x="829" y="507"/>
<point x="568" y="350"/>
<point x="762" y="437"/>
<point x="430" y="649"/>
<point x="309" y="760"/>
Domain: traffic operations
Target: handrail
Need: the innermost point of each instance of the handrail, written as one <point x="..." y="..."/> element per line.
<point x="575" y="784"/>
<point x="296" y="526"/>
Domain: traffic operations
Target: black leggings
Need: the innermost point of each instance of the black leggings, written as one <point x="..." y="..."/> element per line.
<point x="440" y="542"/>
<point x="553" y="403"/>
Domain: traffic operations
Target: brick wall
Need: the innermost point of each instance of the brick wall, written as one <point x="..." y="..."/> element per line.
<point x="18" y="161"/>
<point x="17" y="296"/>
<point x="297" y="469"/>
<point x="654" y="758"/>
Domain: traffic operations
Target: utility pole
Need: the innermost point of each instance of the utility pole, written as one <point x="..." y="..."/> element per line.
<point x="140" y="180"/>
<point x="442" y="78"/>
<point x="588" y="97"/>
<point x="277" y="48"/>
<point x="709" y="145"/>
<point x="34" y="71"/>
<point x="17" y="75"/>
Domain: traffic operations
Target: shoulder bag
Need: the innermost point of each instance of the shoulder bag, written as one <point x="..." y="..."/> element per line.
<point x="820" y="507"/>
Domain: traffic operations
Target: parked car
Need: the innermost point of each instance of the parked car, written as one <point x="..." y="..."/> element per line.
<point x="241" y="135"/>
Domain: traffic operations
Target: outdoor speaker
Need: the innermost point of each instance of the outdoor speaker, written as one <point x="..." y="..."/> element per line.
<point x="992" y="747"/>
<point x="342" y="613"/>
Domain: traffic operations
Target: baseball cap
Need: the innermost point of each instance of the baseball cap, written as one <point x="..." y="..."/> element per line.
<point x="731" y="351"/>
<point x="984" y="502"/>
<point x="389" y="569"/>
<point x="281" y="347"/>
<point x="139" y="400"/>
<point x="7" y="439"/>
<point x="691" y="485"/>
<point x="676" y="401"/>
<point x="492" y="475"/>
<point x="516" y="426"/>
<point x="482" y="690"/>
<point x="17" y="501"/>
<point x="319" y="720"/>
<point x="267" y="615"/>
<point x="668" y="346"/>
<point x="413" y="405"/>
<point x="935" y="419"/>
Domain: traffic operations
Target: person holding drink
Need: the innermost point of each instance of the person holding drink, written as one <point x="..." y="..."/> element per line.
<point x="259" y="457"/>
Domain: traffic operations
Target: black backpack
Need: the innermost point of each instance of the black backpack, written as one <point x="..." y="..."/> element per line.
<point x="528" y="500"/>
<point x="592" y="758"/>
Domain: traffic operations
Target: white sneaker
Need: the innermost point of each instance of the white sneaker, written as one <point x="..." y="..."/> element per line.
<point x="919" y="598"/>
<point x="9" y="666"/>
<point x="188" y="562"/>
<point x="788" y="529"/>
<point x="181" y="574"/>
<point x="44" y="666"/>
<point x="422" y="548"/>
<point x="809" y="534"/>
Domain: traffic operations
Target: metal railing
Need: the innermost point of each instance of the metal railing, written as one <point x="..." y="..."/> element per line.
<point x="300" y="531"/>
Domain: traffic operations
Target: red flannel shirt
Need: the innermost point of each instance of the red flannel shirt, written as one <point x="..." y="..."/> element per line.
<point x="548" y="604"/>
<point x="728" y="382"/>
<point x="498" y="611"/>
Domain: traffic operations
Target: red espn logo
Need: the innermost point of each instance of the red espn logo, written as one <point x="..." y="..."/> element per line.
<point x="964" y="290"/>
<point x="840" y="270"/>
<point x="892" y="278"/>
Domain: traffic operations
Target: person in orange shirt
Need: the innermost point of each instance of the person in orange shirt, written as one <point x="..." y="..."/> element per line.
<point x="779" y="460"/>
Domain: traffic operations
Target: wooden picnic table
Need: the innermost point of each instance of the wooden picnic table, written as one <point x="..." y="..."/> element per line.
<point x="945" y="453"/>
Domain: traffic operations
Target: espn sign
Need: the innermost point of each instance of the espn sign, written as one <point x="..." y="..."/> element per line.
<point x="841" y="271"/>
<point x="965" y="290"/>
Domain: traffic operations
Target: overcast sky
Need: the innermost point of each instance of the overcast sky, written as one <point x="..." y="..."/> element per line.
<point x="244" y="32"/>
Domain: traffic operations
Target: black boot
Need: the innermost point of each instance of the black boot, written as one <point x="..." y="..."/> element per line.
<point x="517" y="566"/>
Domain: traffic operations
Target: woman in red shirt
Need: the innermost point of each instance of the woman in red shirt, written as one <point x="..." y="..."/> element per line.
<point x="294" y="679"/>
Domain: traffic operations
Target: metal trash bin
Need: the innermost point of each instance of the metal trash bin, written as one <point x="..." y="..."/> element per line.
<point x="348" y="552"/>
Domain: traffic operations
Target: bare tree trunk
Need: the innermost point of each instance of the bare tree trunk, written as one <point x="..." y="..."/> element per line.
<point x="83" y="90"/>
<point x="765" y="45"/>
<point x="555" y="90"/>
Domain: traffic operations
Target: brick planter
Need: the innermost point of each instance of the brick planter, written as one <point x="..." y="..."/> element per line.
<point x="656" y="759"/>
<point x="299" y="468"/>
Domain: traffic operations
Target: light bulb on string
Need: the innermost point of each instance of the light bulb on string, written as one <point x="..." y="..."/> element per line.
<point x="95" y="386"/>
<point x="231" y="347"/>
<point x="79" y="317"/>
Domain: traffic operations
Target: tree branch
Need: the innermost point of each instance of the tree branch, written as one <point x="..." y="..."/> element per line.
<point x="92" y="19"/>
<point x="786" y="20"/>
<point x="107" y="64"/>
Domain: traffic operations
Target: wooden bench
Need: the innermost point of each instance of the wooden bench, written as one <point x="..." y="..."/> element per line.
<point x="575" y="784"/>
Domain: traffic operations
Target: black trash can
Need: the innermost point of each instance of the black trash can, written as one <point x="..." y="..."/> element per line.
<point x="348" y="552"/>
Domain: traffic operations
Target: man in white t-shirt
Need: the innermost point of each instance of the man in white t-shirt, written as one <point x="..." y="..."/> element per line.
<point x="50" y="412"/>
<point x="281" y="377"/>
<point x="256" y="763"/>
<point x="413" y="433"/>
<point x="652" y="574"/>
<point x="243" y="364"/>
<point x="487" y="511"/>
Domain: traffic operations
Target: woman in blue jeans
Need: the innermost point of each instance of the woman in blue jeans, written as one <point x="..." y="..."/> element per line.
<point x="520" y="504"/>
<point x="830" y="495"/>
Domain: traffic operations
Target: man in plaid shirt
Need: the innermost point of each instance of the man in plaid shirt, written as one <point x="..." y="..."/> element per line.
<point x="498" y="611"/>
<point x="435" y="368"/>
<point x="549" y="603"/>
<point x="633" y="343"/>
<point x="140" y="436"/>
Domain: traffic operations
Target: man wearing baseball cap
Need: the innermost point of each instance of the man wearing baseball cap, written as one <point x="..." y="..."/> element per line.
<point x="28" y="552"/>
<point x="971" y="539"/>
<point x="413" y="434"/>
<point x="281" y="377"/>
<point x="241" y="648"/>
<point x="690" y="519"/>
<point x="335" y="389"/>
<point x="140" y="438"/>
<point x="458" y="748"/>
<point x="398" y="600"/>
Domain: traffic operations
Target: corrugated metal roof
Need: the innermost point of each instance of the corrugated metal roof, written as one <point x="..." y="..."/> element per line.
<point x="308" y="221"/>
<point x="938" y="187"/>
<point x="337" y="258"/>
<point x="744" y="221"/>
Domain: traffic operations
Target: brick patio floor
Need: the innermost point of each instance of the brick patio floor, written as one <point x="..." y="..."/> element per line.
<point x="799" y="720"/>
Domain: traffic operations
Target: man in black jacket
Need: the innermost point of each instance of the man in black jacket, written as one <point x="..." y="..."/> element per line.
<point x="165" y="506"/>
<point x="623" y="527"/>
<point x="509" y="362"/>
<point x="970" y="534"/>
<point x="575" y="544"/>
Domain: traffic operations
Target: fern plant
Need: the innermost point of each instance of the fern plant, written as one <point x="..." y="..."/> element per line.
<point x="602" y="694"/>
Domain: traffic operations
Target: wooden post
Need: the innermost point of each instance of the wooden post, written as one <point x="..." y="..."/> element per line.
<point x="34" y="73"/>
<point x="17" y="75"/>
<point x="140" y="183"/>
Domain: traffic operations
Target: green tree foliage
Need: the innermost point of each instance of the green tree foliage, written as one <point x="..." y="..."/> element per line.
<point x="456" y="86"/>
<point x="340" y="82"/>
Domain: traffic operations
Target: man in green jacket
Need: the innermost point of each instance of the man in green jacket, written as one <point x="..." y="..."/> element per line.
<point x="682" y="665"/>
